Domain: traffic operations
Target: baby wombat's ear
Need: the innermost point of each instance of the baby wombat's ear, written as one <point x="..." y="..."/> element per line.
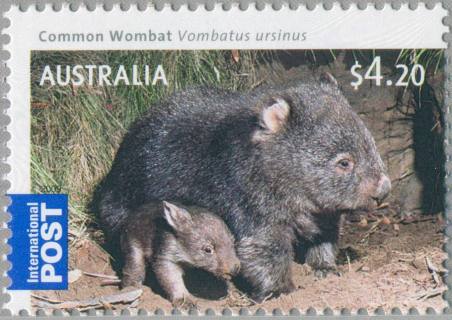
<point x="178" y="218"/>
<point x="272" y="118"/>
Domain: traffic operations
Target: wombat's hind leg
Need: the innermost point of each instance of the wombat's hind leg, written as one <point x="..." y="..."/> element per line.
<point x="170" y="278"/>
<point x="321" y="253"/>
<point x="265" y="265"/>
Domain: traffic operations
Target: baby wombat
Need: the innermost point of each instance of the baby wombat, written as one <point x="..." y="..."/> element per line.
<point x="169" y="238"/>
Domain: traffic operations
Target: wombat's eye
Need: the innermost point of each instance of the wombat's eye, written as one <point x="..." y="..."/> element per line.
<point x="208" y="249"/>
<point x="344" y="165"/>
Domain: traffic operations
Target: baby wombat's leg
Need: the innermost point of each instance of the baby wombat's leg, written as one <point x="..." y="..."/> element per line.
<point x="134" y="269"/>
<point x="170" y="277"/>
<point x="265" y="261"/>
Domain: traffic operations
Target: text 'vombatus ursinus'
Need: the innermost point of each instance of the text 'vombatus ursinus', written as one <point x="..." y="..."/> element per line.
<point x="279" y="164"/>
<point x="170" y="238"/>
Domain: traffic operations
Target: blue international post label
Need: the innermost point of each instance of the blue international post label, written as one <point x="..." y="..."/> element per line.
<point x="39" y="242"/>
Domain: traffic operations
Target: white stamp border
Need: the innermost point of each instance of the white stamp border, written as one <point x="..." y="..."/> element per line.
<point x="57" y="5"/>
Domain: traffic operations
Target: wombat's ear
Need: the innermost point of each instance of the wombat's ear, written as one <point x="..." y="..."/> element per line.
<point x="326" y="77"/>
<point x="272" y="118"/>
<point x="178" y="218"/>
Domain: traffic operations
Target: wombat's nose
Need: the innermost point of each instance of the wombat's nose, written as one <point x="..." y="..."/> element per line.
<point x="383" y="188"/>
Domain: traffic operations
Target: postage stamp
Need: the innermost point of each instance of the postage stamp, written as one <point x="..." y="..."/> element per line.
<point x="204" y="158"/>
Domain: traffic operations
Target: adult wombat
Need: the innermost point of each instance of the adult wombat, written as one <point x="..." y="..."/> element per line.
<point x="276" y="163"/>
<point x="170" y="238"/>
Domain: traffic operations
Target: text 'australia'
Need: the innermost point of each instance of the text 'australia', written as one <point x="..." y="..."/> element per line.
<point x="103" y="75"/>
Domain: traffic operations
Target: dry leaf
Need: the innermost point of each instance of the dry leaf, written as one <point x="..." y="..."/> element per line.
<point x="385" y="220"/>
<point x="363" y="223"/>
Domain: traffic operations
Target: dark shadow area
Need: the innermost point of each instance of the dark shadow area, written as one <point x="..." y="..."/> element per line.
<point x="428" y="138"/>
<point x="312" y="58"/>
<point x="151" y="282"/>
<point x="205" y="285"/>
<point x="300" y="250"/>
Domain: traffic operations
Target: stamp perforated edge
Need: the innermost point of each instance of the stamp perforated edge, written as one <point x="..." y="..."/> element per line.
<point x="142" y="5"/>
<point x="226" y="4"/>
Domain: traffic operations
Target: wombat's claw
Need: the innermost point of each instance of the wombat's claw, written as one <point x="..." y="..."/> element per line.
<point x="185" y="304"/>
<point x="323" y="273"/>
<point x="261" y="298"/>
<point x="131" y="286"/>
<point x="289" y="289"/>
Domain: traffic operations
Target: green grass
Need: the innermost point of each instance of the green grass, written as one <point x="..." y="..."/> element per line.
<point x="76" y="131"/>
<point x="430" y="59"/>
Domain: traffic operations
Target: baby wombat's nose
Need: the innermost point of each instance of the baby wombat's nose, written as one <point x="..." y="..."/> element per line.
<point x="383" y="188"/>
<point x="234" y="268"/>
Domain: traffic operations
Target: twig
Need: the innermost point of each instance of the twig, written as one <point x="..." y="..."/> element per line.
<point x="383" y="206"/>
<point x="433" y="270"/>
<point x="266" y="298"/>
<point x="110" y="282"/>
<point x="98" y="302"/>
<point x="403" y="176"/>
<point x="99" y="275"/>
<point x="408" y="221"/>
<point x="430" y="293"/>
<point x="236" y="298"/>
<point x="44" y="298"/>
<point x="371" y="230"/>
<point x="257" y="84"/>
<point x="134" y="304"/>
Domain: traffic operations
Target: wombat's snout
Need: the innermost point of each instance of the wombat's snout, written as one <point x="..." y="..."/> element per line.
<point x="383" y="188"/>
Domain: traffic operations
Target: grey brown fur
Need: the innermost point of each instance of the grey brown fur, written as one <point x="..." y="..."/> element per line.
<point x="279" y="164"/>
<point x="170" y="238"/>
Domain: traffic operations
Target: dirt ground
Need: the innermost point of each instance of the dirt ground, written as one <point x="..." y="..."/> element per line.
<point x="382" y="263"/>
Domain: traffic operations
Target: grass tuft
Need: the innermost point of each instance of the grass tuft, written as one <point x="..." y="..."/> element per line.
<point x="77" y="130"/>
<point x="430" y="59"/>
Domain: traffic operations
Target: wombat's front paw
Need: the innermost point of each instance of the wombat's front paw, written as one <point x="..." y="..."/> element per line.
<point x="185" y="303"/>
<point x="288" y="289"/>
<point x="264" y="296"/>
<point x="323" y="273"/>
